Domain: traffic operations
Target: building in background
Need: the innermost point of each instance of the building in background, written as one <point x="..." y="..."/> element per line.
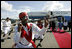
<point x="61" y="15"/>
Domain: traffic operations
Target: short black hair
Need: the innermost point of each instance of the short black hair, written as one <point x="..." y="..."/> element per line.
<point x="7" y="18"/>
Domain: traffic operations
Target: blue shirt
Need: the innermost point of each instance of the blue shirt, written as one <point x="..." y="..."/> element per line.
<point x="60" y="24"/>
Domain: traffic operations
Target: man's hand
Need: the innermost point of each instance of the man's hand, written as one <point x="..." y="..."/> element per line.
<point x="19" y="27"/>
<point x="14" y="45"/>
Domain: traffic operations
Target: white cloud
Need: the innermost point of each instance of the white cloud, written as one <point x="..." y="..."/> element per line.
<point x="23" y="9"/>
<point x="57" y="6"/>
<point x="6" y="6"/>
<point x="8" y="11"/>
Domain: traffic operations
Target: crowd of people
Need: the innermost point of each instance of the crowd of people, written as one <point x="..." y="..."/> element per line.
<point x="25" y="33"/>
<point x="61" y="25"/>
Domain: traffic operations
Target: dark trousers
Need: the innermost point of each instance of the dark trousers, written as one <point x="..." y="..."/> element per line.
<point x="69" y="28"/>
<point x="65" y="27"/>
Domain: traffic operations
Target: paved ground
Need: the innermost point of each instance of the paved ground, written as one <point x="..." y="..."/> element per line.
<point x="48" y="41"/>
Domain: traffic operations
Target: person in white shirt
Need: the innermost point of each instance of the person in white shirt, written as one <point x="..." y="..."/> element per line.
<point x="65" y="24"/>
<point x="7" y="27"/>
<point x="24" y="32"/>
<point x="1" y="26"/>
<point x="36" y="35"/>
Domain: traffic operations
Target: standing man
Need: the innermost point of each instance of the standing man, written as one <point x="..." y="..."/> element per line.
<point x="53" y="25"/>
<point x="69" y="25"/>
<point x="56" y="25"/>
<point x="7" y="27"/>
<point x="65" y="24"/>
<point x="60" y="25"/>
<point x="24" y="31"/>
<point x="1" y="26"/>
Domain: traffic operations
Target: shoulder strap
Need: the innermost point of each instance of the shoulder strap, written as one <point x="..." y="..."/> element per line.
<point x="29" y="38"/>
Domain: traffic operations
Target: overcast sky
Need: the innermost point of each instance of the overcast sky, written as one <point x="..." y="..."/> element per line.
<point x="13" y="8"/>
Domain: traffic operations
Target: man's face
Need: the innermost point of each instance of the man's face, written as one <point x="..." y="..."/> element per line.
<point x="7" y="19"/>
<point x="24" y="20"/>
